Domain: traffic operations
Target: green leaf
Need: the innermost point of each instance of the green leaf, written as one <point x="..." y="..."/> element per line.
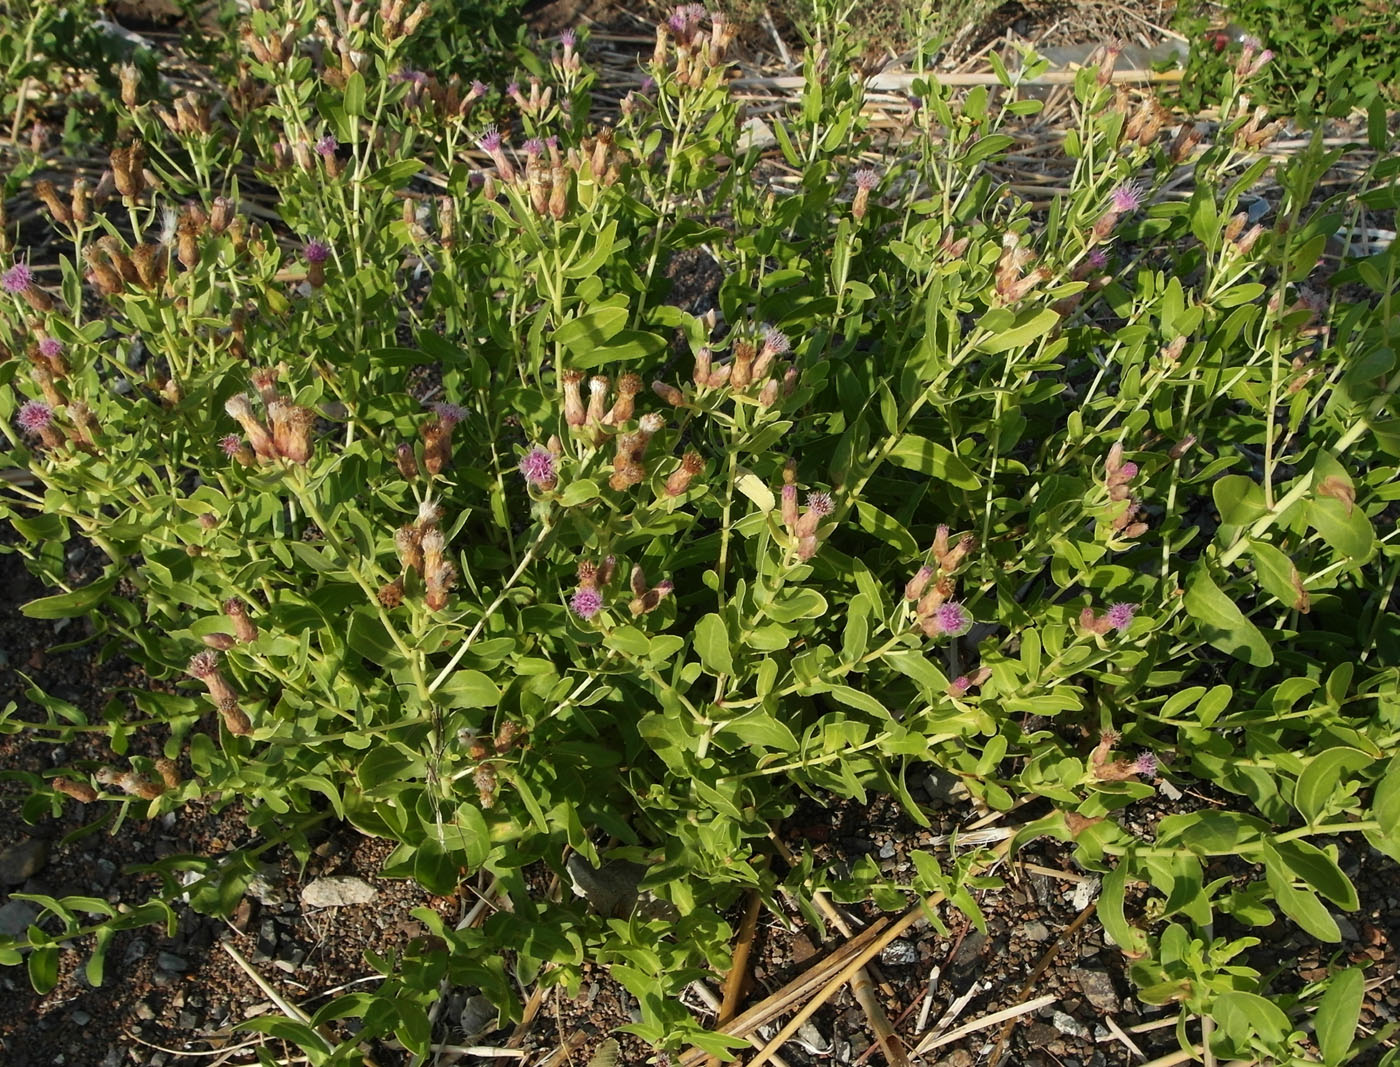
<point x="1275" y="572"/>
<point x="759" y="728"/>
<point x="873" y="520"/>
<point x="355" y="95"/>
<point x="43" y="968"/>
<point x="854" y="698"/>
<point x="471" y="689"/>
<point x="585" y="333"/>
<point x="712" y="643"/>
<point x="1322" y="776"/>
<point x="857" y="634"/>
<point x="1028" y="326"/>
<point x="920" y="454"/>
<point x="1320" y="871"/>
<point x="1221" y="623"/>
<point x="1338" y="1013"/>
<point x="72" y="604"/>
<point x="395" y="175"/>
<point x="1127" y="937"/>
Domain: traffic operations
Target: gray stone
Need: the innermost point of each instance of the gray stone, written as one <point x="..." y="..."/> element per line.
<point x="261" y="889"/>
<point x="478" y="1014"/>
<point x="144" y="1011"/>
<point x="103" y="871"/>
<point x="23" y="861"/>
<point x="612" y="889"/>
<point x="899" y="953"/>
<point x="168" y="961"/>
<point x="337" y="891"/>
<point x="1068" y="1024"/>
<point x="1345" y="927"/>
<point x="187" y="1020"/>
<point x="80" y="1018"/>
<point x="16" y="916"/>
<point x="135" y="951"/>
<point x="1035" y="930"/>
<point x="1098" y="988"/>
<point x="887" y="850"/>
<point x="944" y="787"/>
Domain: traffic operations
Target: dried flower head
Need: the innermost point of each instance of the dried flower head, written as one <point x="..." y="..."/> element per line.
<point x="204" y="664"/>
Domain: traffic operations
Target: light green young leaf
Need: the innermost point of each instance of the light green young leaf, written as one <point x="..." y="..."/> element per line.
<point x="1338" y="1013"/>
<point x="1221" y="623"/>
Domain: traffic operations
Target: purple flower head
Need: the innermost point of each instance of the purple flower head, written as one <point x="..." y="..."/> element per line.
<point x="696" y="12"/>
<point x="478" y="90"/>
<point x="50" y="348"/>
<point x="1250" y="43"/>
<point x="775" y="341"/>
<point x="537" y="466"/>
<point x="867" y="178"/>
<point x="1128" y="197"/>
<point x="231" y="444"/>
<point x="568" y="38"/>
<point x="1098" y="259"/>
<point x="961" y="684"/>
<point x="648" y="84"/>
<point x="1264" y="57"/>
<point x="1146" y="765"/>
<point x="534" y="148"/>
<point x="316" y="251"/>
<point x="326" y="146"/>
<point x="1128" y="471"/>
<point x="449" y="414"/>
<point x="513" y="89"/>
<point x="17" y="279"/>
<point x="586" y="603"/>
<point x="1120" y="616"/>
<point x="916" y="102"/>
<point x="34" y="416"/>
<point x="490" y="140"/>
<point x="677" y="21"/>
<point x="820" y="504"/>
<point x="953" y="619"/>
<point x="551" y="142"/>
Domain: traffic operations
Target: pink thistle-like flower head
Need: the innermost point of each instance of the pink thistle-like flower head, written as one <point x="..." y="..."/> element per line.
<point x="820" y="503"/>
<point x="316" y="251"/>
<point x="513" y="89"/>
<point x="551" y="142"/>
<point x="960" y="685"/>
<point x="17" y="279"/>
<point x="1250" y="42"/>
<point x="1120" y="616"/>
<point x="490" y="140"/>
<point x="1128" y="197"/>
<point x="1146" y="765"/>
<point x="477" y="91"/>
<point x="449" y="414"/>
<point x="867" y="178"/>
<point x="537" y="466"/>
<point x="50" y="348"/>
<point x="1098" y="259"/>
<point x="953" y="619"/>
<point x="586" y="603"/>
<point x="34" y="416"/>
<point x="677" y="21"/>
<point x="648" y="84"/>
<point x="568" y="38"/>
<point x="231" y="444"/>
<point x="534" y="148"/>
<point x="1128" y="471"/>
<point x="775" y="341"/>
<point x="326" y="146"/>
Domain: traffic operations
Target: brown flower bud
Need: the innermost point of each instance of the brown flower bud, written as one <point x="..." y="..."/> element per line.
<point x="168" y="772"/>
<point x="61" y="212"/>
<point x="406" y="462"/>
<point x="236" y="720"/>
<point x="409" y="551"/>
<point x="669" y="393"/>
<point x="625" y="404"/>
<point x="742" y="374"/>
<point x="574" y="411"/>
<point x="243" y="627"/>
<point x="219" y="642"/>
<point x="79" y="791"/>
<point x="391" y="593"/>
<point x="692" y="463"/>
<point x="704" y="361"/>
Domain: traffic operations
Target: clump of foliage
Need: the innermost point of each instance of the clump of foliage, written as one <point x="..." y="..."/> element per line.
<point x="1326" y="57"/>
<point x="426" y="509"/>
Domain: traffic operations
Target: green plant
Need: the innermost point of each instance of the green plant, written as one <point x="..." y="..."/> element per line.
<point x="438" y="589"/>
<point x="1325" y="58"/>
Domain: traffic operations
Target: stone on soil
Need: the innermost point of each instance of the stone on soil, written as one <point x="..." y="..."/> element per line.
<point x="337" y="891"/>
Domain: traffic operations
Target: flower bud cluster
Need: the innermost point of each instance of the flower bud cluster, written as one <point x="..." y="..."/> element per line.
<point x="753" y="369"/>
<point x="205" y="666"/>
<point x="548" y="173"/>
<point x="1119" y="617"/>
<point x="422" y="547"/>
<point x="1118" y="475"/>
<point x="290" y="435"/>
<point x="804" y="525"/>
<point x="1146" y="765"/>
<point x="646" y="598"/>
<point x="698" y="50"/>
<point x="932" y="587"/>
<point x="1011" y="279"/>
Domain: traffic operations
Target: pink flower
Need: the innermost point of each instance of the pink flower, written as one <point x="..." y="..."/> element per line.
<point x="1098" y="259"/>
<point x="952" y="619"/>
<point x="1128" y="471"/>
<point x="1147" y="765"/>
<point x="17" y="279"/>
<point x="1127" y="197"/>
<point x="537" y="466"/>
<point x="961" y="684"/>
<point x="34" y="417"/>
<point x="775" y="341"/>
<point x="867" y="178"/>
<point x="1120" y="616"/>
<point x="50" y="348"/>
<point x="534" y="148"/>
<point x="490" y="141"/>
<point x="586" y="603"/>
<point x="231" y="444"/>
<point x="568" y="38"/>
<point x="326" y="146"/>
<point x="478" y="90"/>
<point x="820" y="504"/>
<point x="449" y="414"/>
<point x="316" y="251"/>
